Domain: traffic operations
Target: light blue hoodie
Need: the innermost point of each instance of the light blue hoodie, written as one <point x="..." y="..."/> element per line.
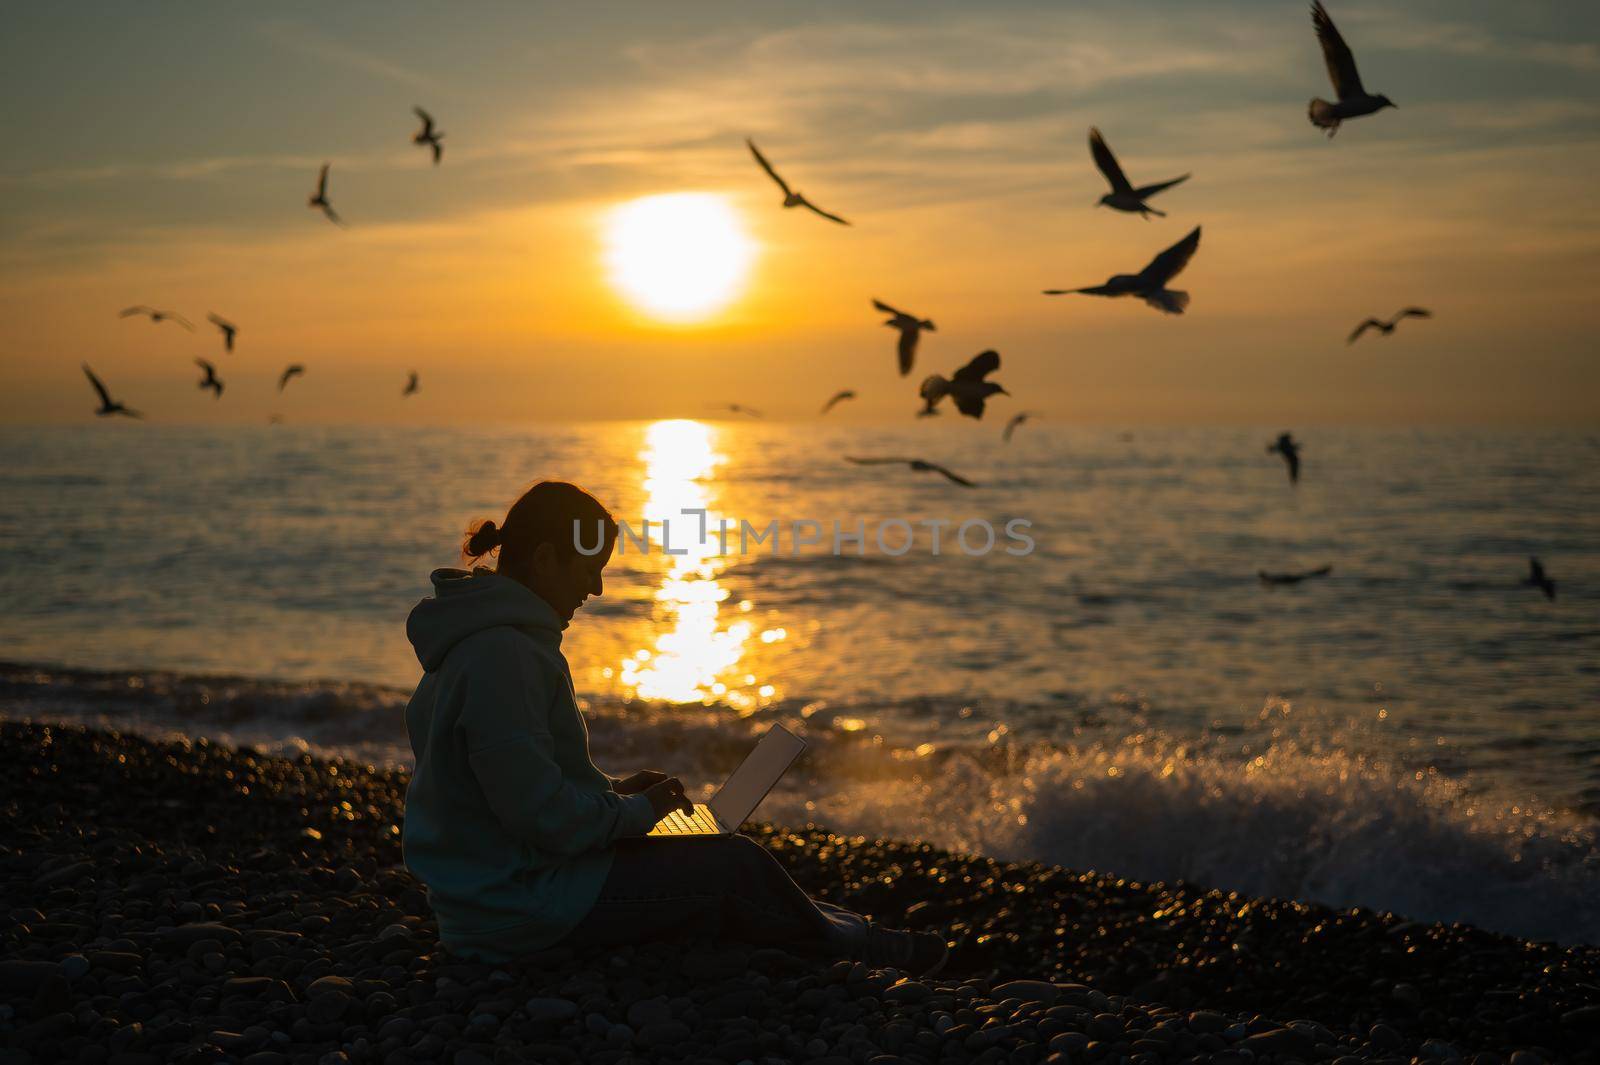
<point x="508" y="822"/>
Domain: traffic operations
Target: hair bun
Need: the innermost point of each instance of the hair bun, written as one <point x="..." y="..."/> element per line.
<point x="483" y="539"/>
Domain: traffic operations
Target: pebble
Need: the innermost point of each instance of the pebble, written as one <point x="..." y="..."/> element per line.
<point x="550" y="1009"/>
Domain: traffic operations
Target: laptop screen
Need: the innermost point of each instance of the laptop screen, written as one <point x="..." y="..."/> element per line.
<point x="736" y="800"/>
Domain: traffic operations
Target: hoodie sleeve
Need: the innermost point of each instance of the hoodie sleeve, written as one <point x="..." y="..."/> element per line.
<point x="505" y="717"/>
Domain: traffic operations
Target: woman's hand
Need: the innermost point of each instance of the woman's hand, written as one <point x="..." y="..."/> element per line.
<point x="666" y="795"/>
<point x="644" y="778"/>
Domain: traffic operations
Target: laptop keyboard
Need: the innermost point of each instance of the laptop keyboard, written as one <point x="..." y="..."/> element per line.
<point x="678" y="823"/>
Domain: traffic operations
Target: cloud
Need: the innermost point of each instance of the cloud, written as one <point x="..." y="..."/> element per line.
<point x="1404" y="32"/>
<point x="299" y="38"/>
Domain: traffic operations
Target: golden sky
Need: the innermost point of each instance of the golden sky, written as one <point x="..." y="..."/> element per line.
<point x="164" y="156"/>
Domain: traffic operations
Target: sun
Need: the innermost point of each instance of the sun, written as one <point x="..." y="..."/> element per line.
<point x="680" y="256"/>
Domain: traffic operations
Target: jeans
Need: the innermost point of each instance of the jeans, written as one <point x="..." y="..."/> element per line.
<point x="715" y="887"/>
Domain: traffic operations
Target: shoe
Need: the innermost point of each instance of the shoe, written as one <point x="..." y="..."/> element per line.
<point x="922" y="954"/>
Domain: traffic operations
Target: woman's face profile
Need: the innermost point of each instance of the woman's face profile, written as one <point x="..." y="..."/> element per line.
<point x="567" y="580"/>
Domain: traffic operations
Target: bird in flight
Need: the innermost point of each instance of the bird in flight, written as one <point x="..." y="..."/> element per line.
<point x="1354" y="101"/>
<point x="1123" y="196"/>
<point x="227" y="327"/>
<point x="320" y="198"/>
<point x="1149" y="284"/>
<point x="1292" y="578"/>
<point x="108" y="406"/>
<point x="1388" y="327"/>
<point x="1016" y="420"/>
<point x="967" y="389"/>
<point x="910" y="327"/>
<point x="428" y="135"/>
<point x="412" y="385"/>
<point x="790" y="197"/>
<point x="290" y="372"/>
<point x="736" y="408"/>
<point x="1287" y="446"/>
<point x="838" y="397"/>
<point x="156" y="316"/>
<point x="915" y="464"/>
<point x="1537" y="579"/>
<point x="210" y="380"/>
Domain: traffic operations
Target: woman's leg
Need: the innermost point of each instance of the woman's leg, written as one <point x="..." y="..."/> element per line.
<point x="717" y="887"/>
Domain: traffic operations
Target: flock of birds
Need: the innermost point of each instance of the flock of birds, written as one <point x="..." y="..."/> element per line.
<point x="968" y="388"/>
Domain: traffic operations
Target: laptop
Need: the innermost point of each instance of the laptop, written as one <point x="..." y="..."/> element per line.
<point x="738" y="798"/>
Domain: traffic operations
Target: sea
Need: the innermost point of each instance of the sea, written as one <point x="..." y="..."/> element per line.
<point x="1073" y="660"/>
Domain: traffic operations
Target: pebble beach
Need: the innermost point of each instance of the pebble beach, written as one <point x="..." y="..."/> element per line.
<point x="184" y="901"/>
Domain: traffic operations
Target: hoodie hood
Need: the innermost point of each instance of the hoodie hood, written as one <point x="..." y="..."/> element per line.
<point x="466" y="602"/>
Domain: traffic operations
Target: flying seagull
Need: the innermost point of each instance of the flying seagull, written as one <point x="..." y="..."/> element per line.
<point x="1537" y="579"/>
<point x="1016" y="420"/>
<point x="1123" y="196"/>
<point x="156" y="316"/>
<point x="736" y="408"/>
<point x="1354" y="101"/>
<point x="210" y="381"/>
<point x="411" y="385"/>
<point x="227" y="327"/>
<point x="290" y="372"/>
<point x="967" y="389"/>
<point x="107" y="405"/>
<point x="837" y="398"/>
<point x="916" y="464"/>
<point x="790" y="197"/>
<point x="428" y="135"/>
<point x="1292" y="578"/>
<point x="1388" y="327"/>
<point x="1149" y="284"/>
<point x="320" y="199"/>
<point x="1287" y="446"/>
<point x="910" y="327"/>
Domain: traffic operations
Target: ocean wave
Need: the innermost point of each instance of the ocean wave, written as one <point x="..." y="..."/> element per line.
<point x="1274" y="812"/>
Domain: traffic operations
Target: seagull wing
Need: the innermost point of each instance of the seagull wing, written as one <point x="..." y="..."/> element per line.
<point x="1107" y="162"/>
<point x="333" y="216"/>
<point x="211" y="371"/>
<point x="1170" y="263"/>
<point x="1535" y="571"/>
<point x="1146" y="191"/>
<point x="1370" y="323"/>
<point x="773" y="174"/>
<point x="956" y="477"/>
<point x="886" y="309"/>
<point x="427" y="121"/>
<point x="981" y="366"/>
<point x="128" y="312"/>
<point x="1341" y="64"/>
<point x="907" y="349"/>
<point x="813" y="207"/>
<point x="1011" y="426"/>
<point x="894" y="461"/>
<point x="1414" y="312"/>
<point x="181" y="320"/>
<point x="105" y="397"/>
<point x="322" y="182"/>
<point x="438" y="151"/>
<point x="837" y="398"/>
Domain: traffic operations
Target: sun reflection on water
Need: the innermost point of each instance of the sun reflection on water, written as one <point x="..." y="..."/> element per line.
<point x="694" y="656"/>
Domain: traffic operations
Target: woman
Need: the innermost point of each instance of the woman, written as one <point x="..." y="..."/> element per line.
<point x="522" y="842"/>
